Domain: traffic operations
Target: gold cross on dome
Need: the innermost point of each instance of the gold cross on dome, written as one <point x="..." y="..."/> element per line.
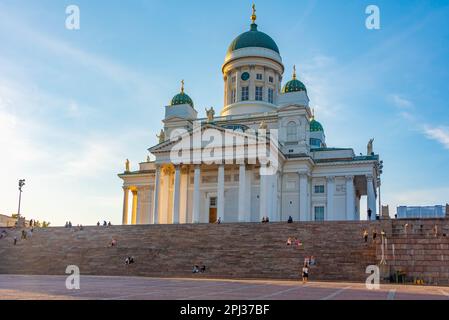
<point x="254" y="17"/>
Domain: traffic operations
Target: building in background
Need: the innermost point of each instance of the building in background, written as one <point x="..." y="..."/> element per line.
<point x="429" y="212"/>
<point x="7" y="221"/>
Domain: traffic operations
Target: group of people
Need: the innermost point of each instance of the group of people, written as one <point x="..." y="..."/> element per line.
<point x="265" y="220"/>
<point x="374" y="234"/>
<point x="294" y="241"/>
<point x="435" y="231"/>
<point x="197" y="269"/>
<point x="129" y="260"/>
<point x="105" y="224"/>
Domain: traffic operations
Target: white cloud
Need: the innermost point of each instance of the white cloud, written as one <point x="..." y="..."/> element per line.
<point x="439" y="134"/>
<point x="400" y="102"/>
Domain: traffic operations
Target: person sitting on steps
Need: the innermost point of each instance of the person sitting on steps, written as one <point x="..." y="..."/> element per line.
<point x="195" y="269"/>
<point x="290" y="219"/>
<point x="203" y="269"/>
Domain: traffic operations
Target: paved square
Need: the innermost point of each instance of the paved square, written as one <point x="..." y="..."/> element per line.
<point x="14" y="287"/>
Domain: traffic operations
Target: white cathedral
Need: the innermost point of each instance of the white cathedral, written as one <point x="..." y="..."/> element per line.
<point x="311" y="181"/>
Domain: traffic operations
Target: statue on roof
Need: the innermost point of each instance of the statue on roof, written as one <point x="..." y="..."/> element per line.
<point x="210" y="114"/>
<point x="161" y="136"/>
<point x="263" y="126"/>
<point x="370" y="150"/>
<point x="127" y="166"/>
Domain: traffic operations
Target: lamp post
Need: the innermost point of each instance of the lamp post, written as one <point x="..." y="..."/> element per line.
<point x="21" y="184"/>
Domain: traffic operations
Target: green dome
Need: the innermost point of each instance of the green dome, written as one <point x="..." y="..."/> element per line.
<point x="294" y="86"/>
<point x="181" y="98"/>
<point x="253" y="38"/>
<point x="315" y="126"/>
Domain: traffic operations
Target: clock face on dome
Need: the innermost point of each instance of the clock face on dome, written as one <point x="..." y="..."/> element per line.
<point x="245" y="76"/>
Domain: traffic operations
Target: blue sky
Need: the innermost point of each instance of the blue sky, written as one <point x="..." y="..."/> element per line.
<point x="75" y="104"/>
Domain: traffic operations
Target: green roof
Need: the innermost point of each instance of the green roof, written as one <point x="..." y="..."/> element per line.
<point x="315" y="126"/>
<point x="294" y="86"/>
<point x="253" y="38"/>
<point x="181" y="98"/>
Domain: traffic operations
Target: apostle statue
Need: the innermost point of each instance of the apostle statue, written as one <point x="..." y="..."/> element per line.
<point x="161" y="136"/>
<point x="127" y="165"/>
<point x="370" y="150"/>
<point x="263" y="126"/>
<point x="210" y="114"/>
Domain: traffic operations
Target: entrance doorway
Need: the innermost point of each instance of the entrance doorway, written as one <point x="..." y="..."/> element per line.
<point x="213" y="210"/>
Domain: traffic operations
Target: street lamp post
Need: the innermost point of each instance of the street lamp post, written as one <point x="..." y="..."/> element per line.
<point x="21" y="184"/>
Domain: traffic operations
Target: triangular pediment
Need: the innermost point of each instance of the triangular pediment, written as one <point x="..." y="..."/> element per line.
<point x="166" y="146"/>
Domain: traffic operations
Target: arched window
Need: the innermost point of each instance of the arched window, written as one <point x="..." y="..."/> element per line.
<point x="292" y="132"/>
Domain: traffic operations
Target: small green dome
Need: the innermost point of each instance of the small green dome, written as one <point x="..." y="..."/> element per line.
<point x="294" y="86"/>
<point x="315" y="126"/>
<point x="181" y="98"/>
<point x="253" y="38"/>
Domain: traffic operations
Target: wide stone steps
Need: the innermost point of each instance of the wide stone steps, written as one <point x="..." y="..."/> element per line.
<point x="228" y="250"/>
<point x="251" y="250"/>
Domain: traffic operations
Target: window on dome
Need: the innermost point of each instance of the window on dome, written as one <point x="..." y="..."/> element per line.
<point x="319" y="213"/>
<point x="245" y="93"/>
<point x="291" y="132"/>
<point x="259" y="93"/>
<point x="233" y="96"/>
<point x="270" y="95"/>
<point x="259" y="76"/>
<point x="270" y="79"/>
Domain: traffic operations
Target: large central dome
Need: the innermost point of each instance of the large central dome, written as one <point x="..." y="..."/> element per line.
<point x="253" y="38"/>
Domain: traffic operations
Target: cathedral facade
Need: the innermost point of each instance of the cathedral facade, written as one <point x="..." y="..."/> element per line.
<point x="194" y="179"/>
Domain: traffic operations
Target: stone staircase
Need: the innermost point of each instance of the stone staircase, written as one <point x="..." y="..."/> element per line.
<point x="240" y="251"/>
<point x="418" y="251"/>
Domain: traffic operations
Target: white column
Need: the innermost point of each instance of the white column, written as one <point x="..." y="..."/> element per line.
<point x="165" y="199"/>
<point x="252" y="83"/>
<point x="265" y="85"/>
<point x="371" y="203"/>
<point x="350" y="198"/>
<point x="238" y="90"/>
<point x="134" y="208"/>
<point x="155" y="218"/>
<point x="242" y="193"/>
<point x="303" y="185"/>
<point x="176" y="195"/>
<point x="249" y="184"/>
<point x="196" y="194"/>
<point x="263" y="195"/>
<point x="226" y="89"/>
<point x="183" y="195"/>
<point x="330" y="198"/>
<point x="220" y="192"/>
<point x="125" y="205"/>
<point x="274" y="198"/>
